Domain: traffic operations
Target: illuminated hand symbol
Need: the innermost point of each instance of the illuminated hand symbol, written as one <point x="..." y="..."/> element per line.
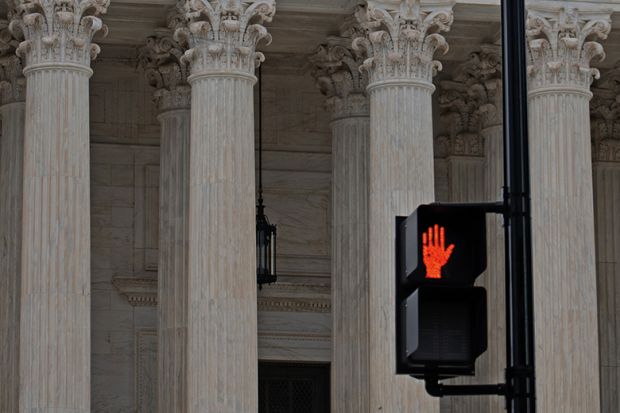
<point x="434" y="251"/>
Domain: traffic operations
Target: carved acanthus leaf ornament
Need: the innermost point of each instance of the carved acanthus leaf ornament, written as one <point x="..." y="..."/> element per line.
<point x="562" y="43"/>
<point x="458" y="111"/>
<point x="164" y="67"/>
<point x="12" y="80"/>
<point x="222" y="35"/>
<point x="402" y="37"/>
<point x="58" y="31"/>
<point x="338" y="75"/>
<point x="605" y="117"/>
<point x="470" y="102"/>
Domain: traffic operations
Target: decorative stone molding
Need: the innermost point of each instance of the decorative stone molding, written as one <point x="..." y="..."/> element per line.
<point x="140" y="292"/>
<point x="161" y="60"/>
<point x="337" y="73"/>
<point x="605" y="117"/>
<point x="402" y="37"/>
<point x="562" y="43"/>
<point x="223" y="34"/>
<point x="12" y="80"/>
<point x="280" y="297"/>
<point x="58" y="31"/>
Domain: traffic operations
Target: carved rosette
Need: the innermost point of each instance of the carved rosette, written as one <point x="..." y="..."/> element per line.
<point x="164" y="67"/>
<point x="58" y="32"/>
<point x="12" y="80"/>
<point x="562" y="42"/>
<point x="605" y="117"/>
<point x="222" y="35"/>
<point x="338" y="76"/>
<point x="402" y="38"/>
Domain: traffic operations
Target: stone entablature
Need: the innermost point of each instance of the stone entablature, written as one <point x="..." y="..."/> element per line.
<point x="605" y="117"/>
<point x="402" y="38"/>
<point x="222" y="35"/>
<point x="164" y="67"/>
<point x="58" y="31"/>
<point x="12" y="80"/>
<point x="338" y="75"/>
<point x="562" y="42"/>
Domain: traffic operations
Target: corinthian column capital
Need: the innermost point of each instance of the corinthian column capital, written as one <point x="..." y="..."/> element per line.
<point x="57" y="32"/>
<point x="402" y="37"/>
<point x="337" y="73"/>
<point x="562" y="42"/>
<point x="482" y="74"/>
<point x="458" y="110"/>
<point x="164" y="66"/>
<point x="605" y="117"/>
<point x="223" y="34"/>
<point x="12" y="81"/>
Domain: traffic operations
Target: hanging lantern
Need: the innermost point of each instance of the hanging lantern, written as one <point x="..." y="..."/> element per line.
<point x="265" y="247"/>
<point x="265" y="232"/>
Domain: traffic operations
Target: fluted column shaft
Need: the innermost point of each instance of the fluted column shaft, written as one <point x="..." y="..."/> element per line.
<point x="563" y="251"/>
<point x="561" y="45"/>
<point x="606" y="205"/>
<point x="55" y="291"/>
<point x="160" y="60"/>
<point x="492" y="363"/>
<point x="401" y="177"/>
<point x="400" y="68"/>
<point x="222" y="353"/>
<point x="172" y="270"/>
<point x="222" y="323"/>
<point x="350" y="247"/>
<point x="605" y="123"/>
<point x="55" y="274"/>
<point x="11" y="181"/>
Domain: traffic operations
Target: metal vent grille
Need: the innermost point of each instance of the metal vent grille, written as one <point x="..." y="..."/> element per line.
<point x="293" y="389"/>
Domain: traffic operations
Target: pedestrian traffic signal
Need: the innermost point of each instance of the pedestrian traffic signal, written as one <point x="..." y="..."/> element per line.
<point x="444" y="244"/>
<point x="441" y="320"/>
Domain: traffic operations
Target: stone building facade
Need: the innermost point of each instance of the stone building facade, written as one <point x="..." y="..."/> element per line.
<point x="127" y="197"/>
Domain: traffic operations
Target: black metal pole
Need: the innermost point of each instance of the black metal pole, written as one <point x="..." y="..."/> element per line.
<point x="520" y="374"/>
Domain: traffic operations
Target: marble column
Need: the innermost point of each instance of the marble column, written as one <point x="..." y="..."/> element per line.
<point x="605" y="111"/>
<point x="561" y="43"/>
<point x="55" y="274"/>
<point x="161" y="62"/>
<point x="222" y="359"/>
<point x="402" y="39"/>
<point x="480" y="79"/>
<point x="338" y="76"/>
<point x="12" y="90"/>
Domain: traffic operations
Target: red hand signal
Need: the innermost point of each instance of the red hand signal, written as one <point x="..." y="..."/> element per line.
<point x="434" y="252"/>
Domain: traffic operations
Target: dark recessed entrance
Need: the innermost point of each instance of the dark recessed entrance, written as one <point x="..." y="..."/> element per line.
<point x="293" y="388"/>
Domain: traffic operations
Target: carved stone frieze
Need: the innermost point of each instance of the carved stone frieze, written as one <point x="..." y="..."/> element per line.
<point x="402" y="37"/>
<point x="562" y="42"/>
<point x="12" y="80"/>
<point x="161" y="60"/>
<point x="605" y="117"/>
<point x="222" y="35"/>
<point x="337" y="73"/>
<point x="57" y="31"/>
